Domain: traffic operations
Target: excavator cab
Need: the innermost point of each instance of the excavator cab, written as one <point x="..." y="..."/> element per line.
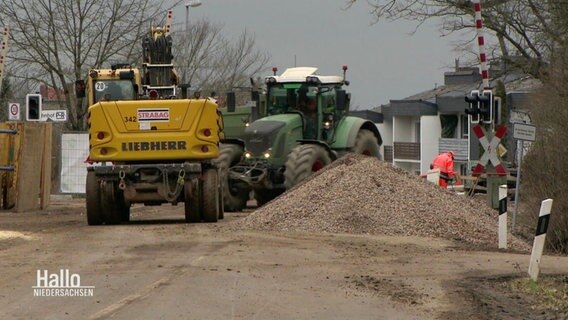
<point x="111" y="90"/>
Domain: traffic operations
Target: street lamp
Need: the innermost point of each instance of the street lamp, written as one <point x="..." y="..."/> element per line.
<point x="193" y="4"/>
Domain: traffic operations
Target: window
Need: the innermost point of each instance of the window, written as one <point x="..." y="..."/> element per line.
<point x="464" y="126"/>
<point x="417" y="131"/>
<point x="113" y="90"/>
<point x="449" y="124"/>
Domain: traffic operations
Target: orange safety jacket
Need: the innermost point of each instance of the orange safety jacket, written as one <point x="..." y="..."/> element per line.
<point x="445" y="163"/>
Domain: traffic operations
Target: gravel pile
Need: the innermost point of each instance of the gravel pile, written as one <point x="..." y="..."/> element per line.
<point x="362" y="195"/>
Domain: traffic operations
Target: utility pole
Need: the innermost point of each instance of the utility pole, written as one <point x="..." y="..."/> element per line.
<point x="3" y="52"/>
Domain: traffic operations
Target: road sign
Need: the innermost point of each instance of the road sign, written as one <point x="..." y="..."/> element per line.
<point x="53" y="115"/>
<point x="491" y="149"/>
<point x="517" y="116"/>
<point x="523" y="131"/>
<point x="13" y="111"/>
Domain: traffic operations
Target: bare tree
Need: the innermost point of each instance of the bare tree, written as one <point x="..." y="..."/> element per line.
<point x="527" y="32"/>
<point x="240" y="61"/>
<point x="544" y="169"/>
<point x="56" y="42"/>
<point x="5" y="96"/>
<point x="212" y="63"/>
<point x="196" y="49"/>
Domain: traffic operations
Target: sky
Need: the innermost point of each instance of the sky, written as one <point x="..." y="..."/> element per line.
<point x="385" y="62"/>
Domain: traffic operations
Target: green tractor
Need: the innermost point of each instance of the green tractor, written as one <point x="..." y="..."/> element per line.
<point x="297" y="126"/>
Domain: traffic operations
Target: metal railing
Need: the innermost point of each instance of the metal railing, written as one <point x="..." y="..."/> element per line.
<point x="407" y="150"/>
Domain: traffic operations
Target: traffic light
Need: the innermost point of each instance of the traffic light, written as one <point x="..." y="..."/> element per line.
<point x="486" y="106"/>
<point x="33" y="107"/>
<point x="474" y="105"/>
<point x="80" y="88"/>
<point x="497" y="110"/>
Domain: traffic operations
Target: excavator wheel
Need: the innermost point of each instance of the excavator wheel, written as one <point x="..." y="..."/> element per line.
<point x="192" y="201"/>
<point x="366" y="144"/>
<point x="303" y="161"/>
<point x="94" y="211"/>
<point x="123" y="207"/>
<point x="210" y="195"/>
<point x="234" y="198"/>
<point x="110" y="205"/>
<point x="221" y="201"/>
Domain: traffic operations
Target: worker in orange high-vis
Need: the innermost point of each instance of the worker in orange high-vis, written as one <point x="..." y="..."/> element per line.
<point x="445" y="162"/>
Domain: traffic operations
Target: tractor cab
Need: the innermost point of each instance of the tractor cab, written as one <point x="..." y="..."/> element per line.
<point x="314" y="97"/>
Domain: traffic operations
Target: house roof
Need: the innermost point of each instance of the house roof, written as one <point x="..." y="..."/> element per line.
<point x="50" y="93"/>
<point x="450" y="98"/>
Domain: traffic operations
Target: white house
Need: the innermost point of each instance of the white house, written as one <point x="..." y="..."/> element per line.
<point x="417" y="128"/>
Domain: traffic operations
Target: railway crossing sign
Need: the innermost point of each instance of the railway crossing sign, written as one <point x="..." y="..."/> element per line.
<point x="491" y="149"/>
<point x="14" y="111"/>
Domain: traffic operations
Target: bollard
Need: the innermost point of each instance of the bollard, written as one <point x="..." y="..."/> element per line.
<point x="539" y="239"/>
<point x="503" y="216"/>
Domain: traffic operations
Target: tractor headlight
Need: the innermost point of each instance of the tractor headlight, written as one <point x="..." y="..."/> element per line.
<point x="267" y="154"/>
<point x="327" y="120"/>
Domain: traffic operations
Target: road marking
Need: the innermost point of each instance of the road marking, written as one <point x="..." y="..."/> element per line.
<point x="145" y="292"/>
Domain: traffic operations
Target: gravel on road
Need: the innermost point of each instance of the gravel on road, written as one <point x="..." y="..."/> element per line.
<point x="363" y="195"/>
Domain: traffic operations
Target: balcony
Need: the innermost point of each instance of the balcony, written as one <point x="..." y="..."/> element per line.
<point x="407" y="151"/>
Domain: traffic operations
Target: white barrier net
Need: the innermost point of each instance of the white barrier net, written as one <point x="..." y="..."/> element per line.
<point x="74" y="151"/>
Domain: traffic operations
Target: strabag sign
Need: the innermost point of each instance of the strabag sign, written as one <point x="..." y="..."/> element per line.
<point x="154" y="115"/>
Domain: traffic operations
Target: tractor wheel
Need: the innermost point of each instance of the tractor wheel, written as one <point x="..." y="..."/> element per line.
<point x="210" y="195"/>
<point x="192" y="201"/>
<point x="264" y="196"/>
<point x="94" y="212"/>
<point x="110" y="203"/>
<point x="234" y="198"/>
<point x="221" y="201"/>
<point x="302" y="162"/>
<point x="366" y="143"/>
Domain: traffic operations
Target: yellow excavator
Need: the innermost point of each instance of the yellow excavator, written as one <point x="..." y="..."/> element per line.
<point x="149" y="143"/>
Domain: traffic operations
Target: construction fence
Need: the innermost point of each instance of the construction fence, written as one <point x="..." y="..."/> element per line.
<point x="26" y="165"/>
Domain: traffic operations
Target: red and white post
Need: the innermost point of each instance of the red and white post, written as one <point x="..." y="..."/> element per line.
<point x="503" y="216"/>
<point x="539" y="239"/>
<point x="481" y="44"/>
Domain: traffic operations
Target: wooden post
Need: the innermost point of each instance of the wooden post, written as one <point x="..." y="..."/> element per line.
<point x="45" y="189"/>
<point x="14" y="155"/>
<point x="29" y="173"/>
<point x="4" y="148"/>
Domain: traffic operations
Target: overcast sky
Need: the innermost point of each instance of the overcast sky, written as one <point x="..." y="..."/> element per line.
<point x="385" y="62"/>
